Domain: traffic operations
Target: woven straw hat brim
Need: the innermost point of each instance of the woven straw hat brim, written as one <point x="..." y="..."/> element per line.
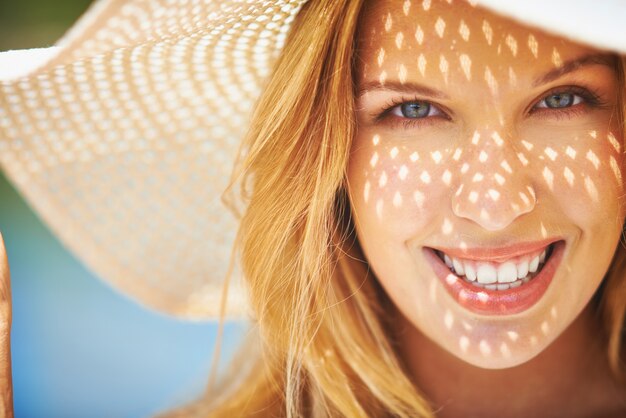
<point x="123" y="138"/>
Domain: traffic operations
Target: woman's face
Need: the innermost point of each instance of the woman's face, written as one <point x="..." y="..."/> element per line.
<point x="494" y="148"/>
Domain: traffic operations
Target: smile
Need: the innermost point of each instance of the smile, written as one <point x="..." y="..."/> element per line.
<point x="497" y="282"/>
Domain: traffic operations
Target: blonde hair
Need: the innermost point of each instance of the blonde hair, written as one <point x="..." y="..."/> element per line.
<point x="320" y="314"/>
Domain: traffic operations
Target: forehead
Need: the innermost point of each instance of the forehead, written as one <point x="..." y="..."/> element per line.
<point x="434" y="39"/>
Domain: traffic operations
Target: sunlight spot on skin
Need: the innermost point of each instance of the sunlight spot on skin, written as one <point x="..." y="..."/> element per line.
<point x="505" y="165"/>
<point x="494" y="194"/>
<point x="527" y="145"/>
<point x="366" y="191"/>
<point x="394" y="152"/>
<point x="591" y="189"/>
<point x="382" y="77"/>
<point x="473" y="197"/>
<point x="388" y="22"/>
<point x="421" y="64"/>
<point x="379" y="209"/>
<point x="533" y="45"/>
<point x="397" y="200"/>
<point x="488" y="32"/>
<point x="464" y="168"/>
<point x="616" y="171"/>
<point x="457" y="154"/>
<point x="499" y="179"/>
<point x="545" y="328"/>
<point x="569" y="176"/>
<point x="515" y="207"/>
<point x="513" y="336"/>
<point x="446" y="177"/>
<point x="512" y="77"/>
<point x="504" y="349"/>
<point x="399" y="40"/>
<point x="418" y="197"/>
<point x="484" y="215"/>
<point x="533" y="340"/>
<point x="381" y="57"/>
<point x="374" y="160"/>
<point x="497" y="139"/>
<point x="459" y="191"/>
<point x="491" y="81"/>
<point x="463" y="245"/>
<point x="466" y="66"/>
<point x="406" y="7"/>
<point x="464" y="31"/>
<point x="414" y="157"/>
<point x="376" y="139"/>
<point x="556" y="58"/>
<point x="552" y="154"/>
<point x="466" y="326"/>
<point x="475" y="138"/>
<point x="511" y="42"/>
<point x="426" y="4"/>
<point x="544" y="232"/>
<point x="448" y="319"/>
<point x="440" y="27"/>
<point x="447" y="227"/>
<point x="443" y="67"/>
<point x="524" y="198"/>
<point x="464" y="343"/>
<point x="522" y="159"/>
<point x="478" y="177"/>
<point x="485" y="350"/>
<point x="403" y="172"/>
<point x="593" y="134"/>
<point x="531" y="191"/>
<point x="436" y="156"/>
<point x="571" y="152"/>
<point x="593" y="158"/>
<point x="419" y="35"/>
<point x="432" y="290"/>
<point x="425" y="177"/>
<point x="553" y="312"/>
<point x="483" y="156"/>
<point x="382" y="181"/>
<point x="402" y="74"/>
<point x="548" y="177"/>
<point x="451" y="279"/>
<point x="614" y="141"/>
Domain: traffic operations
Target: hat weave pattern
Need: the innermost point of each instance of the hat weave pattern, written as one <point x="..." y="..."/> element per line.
<point x="124" y="141"/>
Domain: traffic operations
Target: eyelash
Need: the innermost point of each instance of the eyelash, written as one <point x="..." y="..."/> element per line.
<point x="589" y="98"/>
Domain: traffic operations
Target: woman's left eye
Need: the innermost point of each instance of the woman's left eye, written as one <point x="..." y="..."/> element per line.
<point x="415" y="110"/>
<point x="560" y="101"/>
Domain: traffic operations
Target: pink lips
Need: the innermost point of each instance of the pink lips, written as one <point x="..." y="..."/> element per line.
<point x="497" y="302"/>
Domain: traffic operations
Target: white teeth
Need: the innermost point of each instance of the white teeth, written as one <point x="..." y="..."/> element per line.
<point x="507" y="272"/>
<point x="458" y="267"/>
<point x="542" y="256"/>
<point x="522" y="269"/>
<point x="490" y="286"/>
<point x="486" y="274"/>
<point x="516" y="283"/>
<point x="470" y="273"/>
<point x="447" y="260"/>
<point x="534" y="264"/>
<point x="503" y="286"/>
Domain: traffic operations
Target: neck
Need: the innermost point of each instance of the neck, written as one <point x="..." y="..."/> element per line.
<point x="572" y="373"/>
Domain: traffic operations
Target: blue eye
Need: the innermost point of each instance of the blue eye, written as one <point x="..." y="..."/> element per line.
<point x="415" y="110"/>
<point x="560" y="101"/>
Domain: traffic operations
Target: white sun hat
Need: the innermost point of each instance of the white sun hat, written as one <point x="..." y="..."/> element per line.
<point x="122" y="136"/>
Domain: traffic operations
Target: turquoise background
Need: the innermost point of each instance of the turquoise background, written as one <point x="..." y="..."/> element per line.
<point x="79" y="348"/>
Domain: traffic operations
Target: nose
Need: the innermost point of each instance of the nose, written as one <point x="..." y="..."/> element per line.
<point x="495" y="183"/>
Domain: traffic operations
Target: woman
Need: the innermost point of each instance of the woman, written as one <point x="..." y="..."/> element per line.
<point x="433" y="220"/>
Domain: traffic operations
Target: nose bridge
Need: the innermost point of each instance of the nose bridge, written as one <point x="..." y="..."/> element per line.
<point x="495" y="185"/>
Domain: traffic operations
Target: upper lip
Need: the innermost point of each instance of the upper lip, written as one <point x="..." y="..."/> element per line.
<point x="497" y="254"/>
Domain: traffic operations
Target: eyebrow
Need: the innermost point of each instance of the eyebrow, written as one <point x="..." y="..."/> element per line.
<point x="575" y="64"/>
<point x="408" y="87"/>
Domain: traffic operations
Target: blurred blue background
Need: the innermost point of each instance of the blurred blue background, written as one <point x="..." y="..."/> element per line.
<point x="79" y="348"/>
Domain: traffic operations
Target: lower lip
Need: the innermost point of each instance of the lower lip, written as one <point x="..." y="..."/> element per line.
<point x="497" y="302"/>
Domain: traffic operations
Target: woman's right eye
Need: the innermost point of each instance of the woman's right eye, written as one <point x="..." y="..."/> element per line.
<point x="415" y="110"/>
